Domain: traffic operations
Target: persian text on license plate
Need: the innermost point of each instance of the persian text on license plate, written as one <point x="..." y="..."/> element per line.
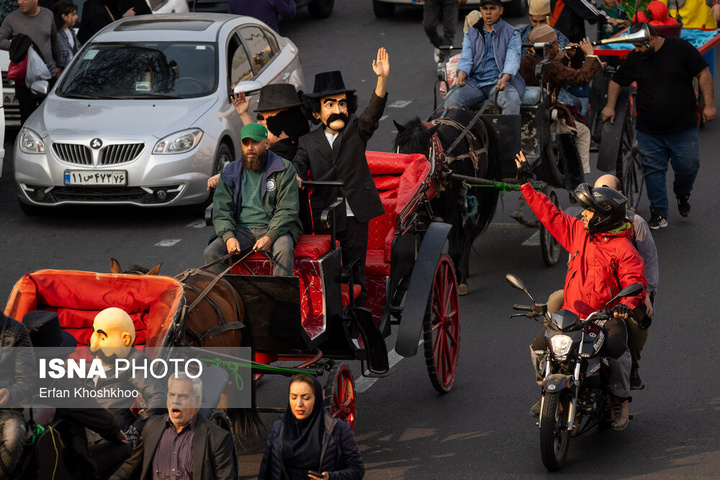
<point x="90" y="177"/>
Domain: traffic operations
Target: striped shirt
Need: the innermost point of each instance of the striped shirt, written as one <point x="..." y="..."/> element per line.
<point x="173" y="456"/>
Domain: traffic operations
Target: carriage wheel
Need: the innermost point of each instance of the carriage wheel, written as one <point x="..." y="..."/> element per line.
<point x="221" y="419"/>
<point x="441" y="327"/>
<point x="339" y="394"/>
<point x="629" y="168"/>
<point x="549" y="247"/>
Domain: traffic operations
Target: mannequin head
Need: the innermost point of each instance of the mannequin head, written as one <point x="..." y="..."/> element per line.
<point x="113" y="335"/>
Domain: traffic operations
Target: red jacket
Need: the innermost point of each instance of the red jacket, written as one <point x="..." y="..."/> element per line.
<point x="600" y="265"/>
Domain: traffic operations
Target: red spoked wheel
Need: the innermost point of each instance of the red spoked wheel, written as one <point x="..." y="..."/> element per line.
<point x="339" y="394"/>
<point x="441" y="327"/>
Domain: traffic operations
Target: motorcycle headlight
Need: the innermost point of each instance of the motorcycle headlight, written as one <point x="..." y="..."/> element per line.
<point x="30" y="142"/>
<point x="179" y="142"/>
<point x="561" y="345"/>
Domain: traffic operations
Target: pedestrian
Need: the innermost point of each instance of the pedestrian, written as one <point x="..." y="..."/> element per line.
<point x="17" y="371"/>
<point x="602" y="262"/>
<point x="447" y="11"/>
<point x="307" y="442"/>
<point x="667" y="125"/>
<point x="255" y="205"/>
<point x="66" y="16"/>
<point x="181" y="444"/>
<point x="569" y="17"/>
<point x="336" y="151"/>
<point x="38" y="24"/>
<point x="268" y="11"/>
<point x="97" y="14"/>
<point x="489" y="63"/>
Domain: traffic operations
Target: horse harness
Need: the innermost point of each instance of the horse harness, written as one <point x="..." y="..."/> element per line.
<point x="223" y="325"/>
<point x="473" y="153"/>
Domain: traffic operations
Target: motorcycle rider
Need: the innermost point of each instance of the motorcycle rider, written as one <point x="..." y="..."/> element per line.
<point x="602" y="262"/>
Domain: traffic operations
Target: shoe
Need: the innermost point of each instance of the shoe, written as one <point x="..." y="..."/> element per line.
<point x="437" y="55"/>
<point x="684" y="205"/>
<point x="620" y="414"/>
<point x="656" y="220"/>
<point x="635" y="380"/>
<point x="535" y="410"/>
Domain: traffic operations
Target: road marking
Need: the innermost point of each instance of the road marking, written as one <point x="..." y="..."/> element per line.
<point x="533" y="240"/>
<point x="383" y="117"/>
<point x="363" y="383"/>
<point x="196" y="224"/>
<point x="400" y="104"/>
<point x="168" y="242"/>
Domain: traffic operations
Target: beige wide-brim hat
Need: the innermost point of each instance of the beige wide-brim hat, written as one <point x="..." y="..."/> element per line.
<point x="539" y="7"/>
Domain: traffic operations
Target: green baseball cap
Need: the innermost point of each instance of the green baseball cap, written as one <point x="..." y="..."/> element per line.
<point x="254" y="131"/>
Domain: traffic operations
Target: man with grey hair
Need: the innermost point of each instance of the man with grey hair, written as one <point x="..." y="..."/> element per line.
<point x="181" y="444"/>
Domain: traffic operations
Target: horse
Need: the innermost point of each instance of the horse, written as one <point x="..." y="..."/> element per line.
<point x="215" y="320"/>
<point x="469" y="209"/>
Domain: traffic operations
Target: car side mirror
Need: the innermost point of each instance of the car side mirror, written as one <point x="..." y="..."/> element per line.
<point x="40" y="88"/>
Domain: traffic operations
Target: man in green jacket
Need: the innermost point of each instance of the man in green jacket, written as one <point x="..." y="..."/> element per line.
<point x="255" y="206"/>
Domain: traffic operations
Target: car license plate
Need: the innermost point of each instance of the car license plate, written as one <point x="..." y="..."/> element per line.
<point x="91" y="177"/>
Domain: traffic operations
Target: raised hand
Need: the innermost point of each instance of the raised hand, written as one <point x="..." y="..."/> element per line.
<point x="381" y="65"/>
<point x="241" y="103"/>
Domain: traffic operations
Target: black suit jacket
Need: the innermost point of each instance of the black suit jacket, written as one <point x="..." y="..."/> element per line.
<point x="212" y="452"/>
<point x="345" y="161"/>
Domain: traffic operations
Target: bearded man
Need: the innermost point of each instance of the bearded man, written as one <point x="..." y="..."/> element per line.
<point x="336" y="151"/>
<point x="255" y="205"/>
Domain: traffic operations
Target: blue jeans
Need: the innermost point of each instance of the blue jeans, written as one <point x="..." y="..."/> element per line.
<point x="472" y="95"/>
<point x="682" y="149"/>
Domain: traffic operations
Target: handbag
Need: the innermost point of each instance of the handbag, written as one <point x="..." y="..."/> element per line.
<point x="17" y="71"/>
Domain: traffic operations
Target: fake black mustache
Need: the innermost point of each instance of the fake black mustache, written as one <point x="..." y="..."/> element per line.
<point x="338" y="116"/>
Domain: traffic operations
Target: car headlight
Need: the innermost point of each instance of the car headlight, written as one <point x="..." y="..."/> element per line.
<point x="30" y="142"/>
<point x="561" y="345"/>
<point x="179" y="142"/>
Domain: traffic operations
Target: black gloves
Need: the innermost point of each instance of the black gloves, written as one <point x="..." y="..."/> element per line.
<point x="620" y="310"/>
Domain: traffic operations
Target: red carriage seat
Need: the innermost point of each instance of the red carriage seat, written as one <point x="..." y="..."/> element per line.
<point x="151" y="301"/>
<point x="397" y="178"/>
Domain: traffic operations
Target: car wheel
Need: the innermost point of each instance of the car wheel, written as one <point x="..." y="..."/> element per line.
<point x="321" y="8"/>
<point x="383" y="9"/>
<point x="223" y="158"/>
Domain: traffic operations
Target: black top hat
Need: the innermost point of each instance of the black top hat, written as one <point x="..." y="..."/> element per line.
<point x="277" y="96"/>
<point x="45" y="331"/>
<point x="328" y="83"/>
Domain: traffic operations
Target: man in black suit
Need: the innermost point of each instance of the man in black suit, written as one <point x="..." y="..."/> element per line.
<point x="336" y="151"/>
<point x="182" y="444"/>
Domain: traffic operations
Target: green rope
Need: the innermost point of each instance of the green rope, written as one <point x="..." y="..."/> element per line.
<point x="503" y="187"/>
<point x="233" y="368"/>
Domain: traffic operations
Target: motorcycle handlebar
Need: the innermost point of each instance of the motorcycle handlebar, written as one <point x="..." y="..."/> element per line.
<point x="523" y="307"/>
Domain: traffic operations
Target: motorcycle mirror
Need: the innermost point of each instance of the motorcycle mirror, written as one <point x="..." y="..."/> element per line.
<point x="629" y="291"/>
<point x="515" y="282"/>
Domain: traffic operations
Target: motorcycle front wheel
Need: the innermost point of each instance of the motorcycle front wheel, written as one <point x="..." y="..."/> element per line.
<point x="554" y="435"/>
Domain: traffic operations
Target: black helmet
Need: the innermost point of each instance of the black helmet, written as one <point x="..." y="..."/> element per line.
<point x="609" y="207"/>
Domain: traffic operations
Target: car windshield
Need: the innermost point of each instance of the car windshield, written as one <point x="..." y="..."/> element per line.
<point x="142" y="70"/>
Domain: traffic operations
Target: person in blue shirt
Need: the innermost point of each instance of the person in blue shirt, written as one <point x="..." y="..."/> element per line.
<point x="489" y="63"/>
<point x="268" y="11"/>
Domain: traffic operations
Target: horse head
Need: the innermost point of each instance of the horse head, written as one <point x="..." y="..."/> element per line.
<point x="135" y="269"/>
<point x="414" y="137"/>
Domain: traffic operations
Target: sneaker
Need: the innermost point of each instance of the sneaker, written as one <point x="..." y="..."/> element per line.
<point x="535" y="410"/>
<point x="684" y="205"/>
<point x="620" y="414"/>
<point x="437" y="55"/>
<point x="656" y="220"/>
<point x="635" y="380"/>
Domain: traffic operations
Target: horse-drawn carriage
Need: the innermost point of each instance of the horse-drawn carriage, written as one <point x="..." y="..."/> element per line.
<point x="309" y="319"/>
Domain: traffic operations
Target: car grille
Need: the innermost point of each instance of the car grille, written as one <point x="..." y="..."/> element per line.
<point x="109" y="155"/>
<point x="108" y="194"/>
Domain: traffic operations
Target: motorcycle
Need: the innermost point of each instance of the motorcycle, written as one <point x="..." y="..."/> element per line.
<point x="575" y="397"/>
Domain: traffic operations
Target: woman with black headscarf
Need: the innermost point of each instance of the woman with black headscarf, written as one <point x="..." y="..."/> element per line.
<point x="307" y="438"/>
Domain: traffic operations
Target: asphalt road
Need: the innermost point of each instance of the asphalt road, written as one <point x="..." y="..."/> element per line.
<point x="481" y="429"/>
